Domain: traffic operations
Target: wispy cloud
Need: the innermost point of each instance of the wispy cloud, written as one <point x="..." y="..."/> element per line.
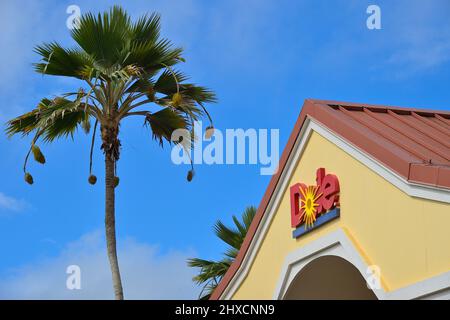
<point x="414" y="39"/>
<point x="8" y="203"/>
<point x="146" y="273"/>
<point x="420" y="35"/>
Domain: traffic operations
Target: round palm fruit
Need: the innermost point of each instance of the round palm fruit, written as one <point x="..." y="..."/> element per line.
<point x="86" y="125"/>
<point x="177" y="99"/>
<point x="209" y="132"/>
<point x="116" y="181"/>
<point x="37" y="153"/>
<point x="29" y="178"/>
<point x="190" y="175"/>
<point x="92" y="179"/>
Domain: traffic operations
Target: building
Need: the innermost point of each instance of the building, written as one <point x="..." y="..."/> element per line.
<point x="359" y="209"/>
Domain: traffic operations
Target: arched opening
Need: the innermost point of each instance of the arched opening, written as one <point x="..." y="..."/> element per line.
<point x="329" y="277"/>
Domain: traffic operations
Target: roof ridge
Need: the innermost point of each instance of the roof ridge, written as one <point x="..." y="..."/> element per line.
<point x="443" y="113"/>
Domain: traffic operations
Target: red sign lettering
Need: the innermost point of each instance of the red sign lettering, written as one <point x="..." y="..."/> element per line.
<point x="308" y="202"/>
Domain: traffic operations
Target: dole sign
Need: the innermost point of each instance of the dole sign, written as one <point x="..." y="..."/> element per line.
<point x="312" y="206"/>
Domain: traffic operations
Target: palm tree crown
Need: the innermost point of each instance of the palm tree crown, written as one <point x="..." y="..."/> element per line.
<point x="211" y="272"/>
<point x="125" y="69"/>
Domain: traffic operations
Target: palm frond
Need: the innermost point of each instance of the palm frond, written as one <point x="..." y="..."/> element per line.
<point x="144" y="85"/>
<point x="228" y="235"/>
<point x="209" y="269"/>
<point x="59" y="61"/>
<point x="23" y="124"/>
<point x="153" y="57"/>
<point x="248" y="216"/>
<point x="211" y="272"/>
<point x="54" y="118"/>
<point x="208" y="289"/>
<point x="146" y="30"/>
<point x="105" y="36"/>
<point x="164" y="122"/>
<point x="231" y="253"/>
<point x="63" y="127"/>
<point x="167" y="81"/>
<point x="198" y="93"/>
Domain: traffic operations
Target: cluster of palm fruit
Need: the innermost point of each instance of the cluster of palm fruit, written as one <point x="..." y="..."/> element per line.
<point x="39" y="157"/>
<point x="93" y="180"/>
<point x="177" y="100"/>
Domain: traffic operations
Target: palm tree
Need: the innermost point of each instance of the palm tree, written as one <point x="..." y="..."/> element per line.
<point x="125" y="69"/>
<point x="211" y="272"/>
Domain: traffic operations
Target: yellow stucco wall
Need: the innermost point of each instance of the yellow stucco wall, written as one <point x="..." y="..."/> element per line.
<point x="408" y="238"/>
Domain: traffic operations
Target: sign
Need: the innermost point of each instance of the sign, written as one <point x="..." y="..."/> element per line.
<point x="312" y="206"/>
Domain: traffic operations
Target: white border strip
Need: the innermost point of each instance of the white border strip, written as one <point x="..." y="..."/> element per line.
<point x="338" y="244"/>
<point x="308" y="127"/>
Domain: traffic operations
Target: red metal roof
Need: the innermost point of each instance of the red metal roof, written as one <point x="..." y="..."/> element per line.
<point x="413" y="143"/>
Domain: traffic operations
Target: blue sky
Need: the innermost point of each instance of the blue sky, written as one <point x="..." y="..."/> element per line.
<point x="263" y="58"/>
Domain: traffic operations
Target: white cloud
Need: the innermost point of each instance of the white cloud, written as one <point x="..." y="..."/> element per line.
<point x="419" y="57"/>
<point x="420" y="35"/>
<point x="146" y="274"/>
<point x="11" y="204"/>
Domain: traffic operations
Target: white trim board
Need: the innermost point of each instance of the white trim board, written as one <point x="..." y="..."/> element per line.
<point x="310" y="125"/>
<point x="338" y="244"/>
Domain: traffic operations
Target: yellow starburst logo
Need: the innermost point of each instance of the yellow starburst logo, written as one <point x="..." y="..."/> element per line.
<point x="309" y="204"/>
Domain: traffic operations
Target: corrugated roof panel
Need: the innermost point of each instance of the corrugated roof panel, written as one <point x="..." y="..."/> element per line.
<point x="390" y="135"/>
<point x="420" y="139"/>
<point x="420" y="123"/>
<point x="414" y="143"/>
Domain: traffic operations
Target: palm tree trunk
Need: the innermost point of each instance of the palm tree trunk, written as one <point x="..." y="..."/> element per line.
<point x="110" y="225"/>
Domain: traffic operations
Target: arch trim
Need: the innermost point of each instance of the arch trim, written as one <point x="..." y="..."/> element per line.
<point x="338" y="243"/>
